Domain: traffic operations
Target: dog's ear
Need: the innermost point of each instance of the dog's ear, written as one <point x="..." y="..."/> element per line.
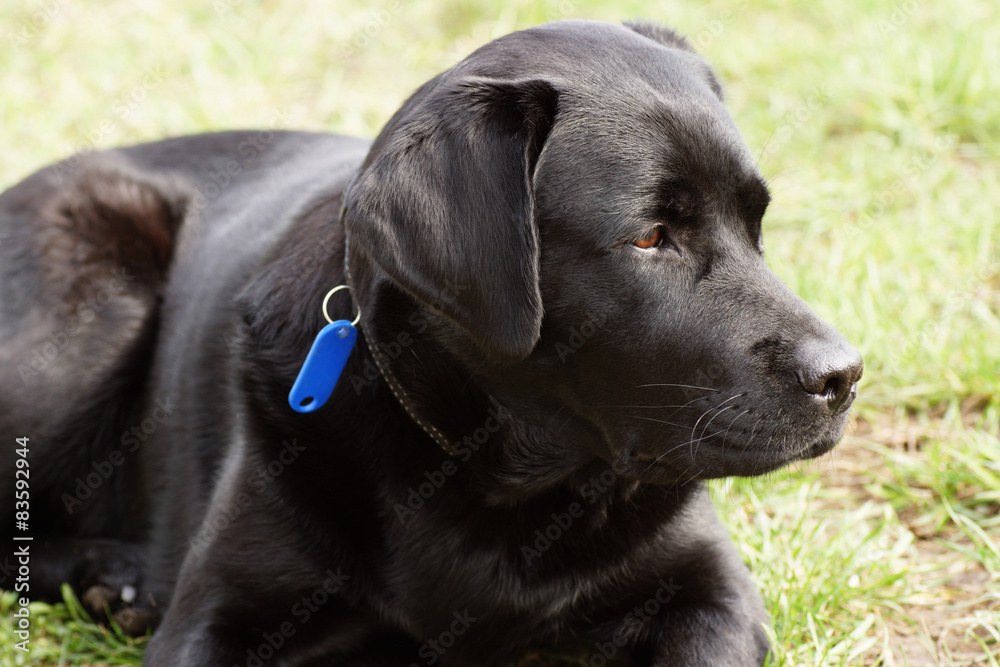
<point x="444" y="205"/>
<point x="660" y="33"/>
<point x="671" y="38"/>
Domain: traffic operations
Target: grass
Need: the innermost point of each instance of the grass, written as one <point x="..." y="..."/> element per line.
<point x="878" y="128"/>
<point x="877" y="555"/>
<point x="64" y="634"/>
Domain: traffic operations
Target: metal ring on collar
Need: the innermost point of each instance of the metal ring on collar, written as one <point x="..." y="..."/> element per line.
<point x="326" y="300"/>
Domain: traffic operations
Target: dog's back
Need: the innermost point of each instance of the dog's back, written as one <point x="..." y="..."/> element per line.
<point x="88" y="270"/>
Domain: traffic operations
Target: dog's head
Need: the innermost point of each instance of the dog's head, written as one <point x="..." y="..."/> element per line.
<point x="577" y="220"/>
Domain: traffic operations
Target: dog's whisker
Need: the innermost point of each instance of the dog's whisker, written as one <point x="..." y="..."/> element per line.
<point x="568" y="420"/>
<point x="740" y="395"/>
<point x="756" y="461"/>
<point x="753" y="432"/>
<point x="692" y="440"/>
<point x="695" y="427"/>
<point x="682" y="477"/>
<point x="644" y="407"/>
<point x="472" y="375"/>
<point x="681" y="386"/>
<point x="694" y="400"/>
<point x="726" y="434"/>
<point x="666" y="453"/>
<point x="709" y="423"/>
<point x="763" y="150"/>
<point x="675" y="448"/>
<point x="658" y="421"/>
<point x="692" y="477"/>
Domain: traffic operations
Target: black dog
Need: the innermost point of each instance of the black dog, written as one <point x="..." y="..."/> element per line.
<point x="566" y="323"/>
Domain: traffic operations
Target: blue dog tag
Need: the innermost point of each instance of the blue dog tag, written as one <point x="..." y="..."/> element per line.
<point x="323" y="366"/>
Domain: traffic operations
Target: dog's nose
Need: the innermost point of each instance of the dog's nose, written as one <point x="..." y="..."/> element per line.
<point x="829" y="372"/>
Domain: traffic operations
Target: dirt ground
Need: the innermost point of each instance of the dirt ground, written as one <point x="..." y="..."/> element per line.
<point x="940" y="624"/>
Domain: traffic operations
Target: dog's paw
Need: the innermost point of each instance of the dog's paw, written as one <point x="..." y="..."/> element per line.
<point x="135" y="621"/>
<point x="108" y="578"/>
<point x="103" y="602"/>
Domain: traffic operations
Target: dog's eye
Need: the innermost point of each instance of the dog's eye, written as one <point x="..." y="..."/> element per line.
<point x="654" y="238"/>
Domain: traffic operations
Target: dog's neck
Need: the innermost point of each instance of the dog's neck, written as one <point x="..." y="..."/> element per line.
<point x="443" y="384"/>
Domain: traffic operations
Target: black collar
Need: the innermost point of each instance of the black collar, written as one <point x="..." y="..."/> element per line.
<point x="380" y="361"/>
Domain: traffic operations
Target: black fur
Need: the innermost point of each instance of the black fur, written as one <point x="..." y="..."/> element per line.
<point x="513" y="458"/>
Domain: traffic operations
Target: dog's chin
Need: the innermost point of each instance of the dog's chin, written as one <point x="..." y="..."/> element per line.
<point x="713" y="460"/>
<point x="818" y="448"/>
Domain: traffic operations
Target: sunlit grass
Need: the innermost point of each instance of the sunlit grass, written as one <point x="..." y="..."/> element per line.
<point x="64" y="634"/>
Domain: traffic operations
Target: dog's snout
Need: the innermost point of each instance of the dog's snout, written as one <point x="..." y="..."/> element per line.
<point x="829" y="372"/>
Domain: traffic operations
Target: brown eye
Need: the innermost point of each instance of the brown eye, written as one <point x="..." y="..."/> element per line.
<point x="650" y="239"/>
